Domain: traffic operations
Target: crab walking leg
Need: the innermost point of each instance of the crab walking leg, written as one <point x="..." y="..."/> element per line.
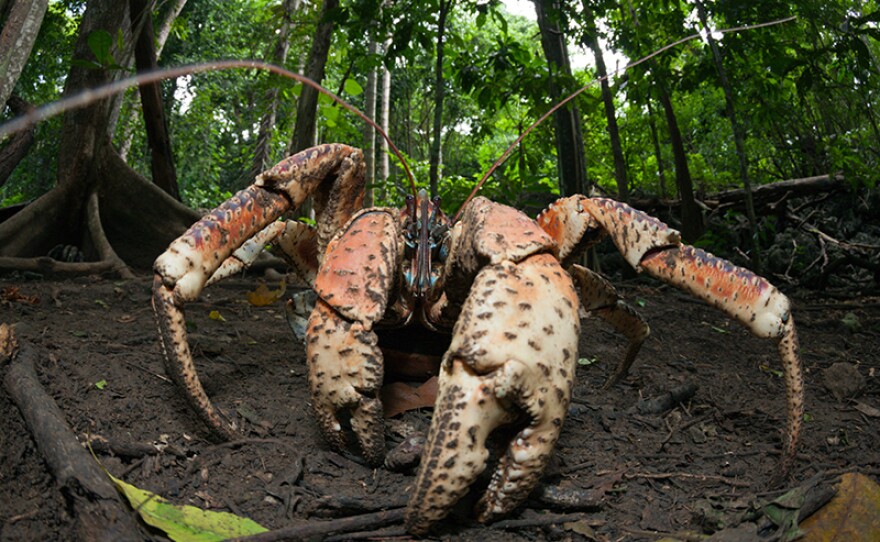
<point x="754" y="302"/>
<point x="247" y="253"/>
<point x="601" y="298"/>
<point x="650" y="245"/>
<point x="511" y="359"/>
<point x="183" y="269"/>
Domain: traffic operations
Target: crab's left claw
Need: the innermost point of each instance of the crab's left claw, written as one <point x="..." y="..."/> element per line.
<point x="511" y="360"/>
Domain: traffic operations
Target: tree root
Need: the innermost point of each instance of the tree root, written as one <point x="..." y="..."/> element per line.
<point x="102" y="245"/>
<point x="49" y="266"/>
<point x="99" y="512"/>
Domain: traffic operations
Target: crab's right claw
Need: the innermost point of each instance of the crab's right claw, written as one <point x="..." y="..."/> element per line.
<point x="511" y="360"/>
<point x="345" y="374"/>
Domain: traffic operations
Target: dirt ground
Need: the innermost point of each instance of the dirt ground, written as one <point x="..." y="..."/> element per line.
<point x="658" y="472"/>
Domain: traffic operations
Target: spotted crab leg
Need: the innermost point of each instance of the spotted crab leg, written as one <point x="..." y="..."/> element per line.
<point x="650" y="245"/>
<point x="599" y="297"/>
<point x="333" y="174"/>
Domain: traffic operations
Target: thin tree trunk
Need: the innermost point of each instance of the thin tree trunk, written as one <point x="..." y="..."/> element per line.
<point x="569" y="136"/>
<point x="161" y="155"/>
<point x="434" y="170"/>
<point x="161" y="37"/>
<point x="691" y="218"/>
<point x="385" y="122"/>
<point x="370" y="131"/>
<point x="263" y="149"/>
<point x="19" y="143"/>
<point x="592" y="38"/>
<point x="307" y="106"/>
<point x="661" y="169"/>
<point x="16" y="41"/>
<point x="739" y="137"/>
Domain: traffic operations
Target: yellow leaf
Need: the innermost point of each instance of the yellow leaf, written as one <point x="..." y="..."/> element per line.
<point x="852" y="515"/>
<point x="215" y="315"/>
<point x="186" y="523"/>
<point x="264" y="296"/>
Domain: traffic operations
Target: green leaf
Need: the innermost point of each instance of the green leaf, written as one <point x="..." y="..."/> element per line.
<point x="352" y="87"/>
<point x="101" y="384"/>
<point x="99" y="42"/>
<point x="186" y="523"/>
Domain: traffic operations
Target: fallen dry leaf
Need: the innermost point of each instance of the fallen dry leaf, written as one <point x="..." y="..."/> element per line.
<point x="263" y="296"/>
<point x="852" y="515"/>
<point x="13" y="294"/>
<point x="867" y="410"/>
<point x="399" y="397"/>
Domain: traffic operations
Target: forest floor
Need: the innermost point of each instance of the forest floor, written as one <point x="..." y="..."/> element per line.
<point x="680" y="472"/>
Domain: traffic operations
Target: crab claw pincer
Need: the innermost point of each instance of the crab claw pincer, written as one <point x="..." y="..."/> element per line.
<point x="511" y="361"/>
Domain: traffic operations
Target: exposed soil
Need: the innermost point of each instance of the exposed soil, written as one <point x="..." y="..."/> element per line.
<point x="656" y="471"/>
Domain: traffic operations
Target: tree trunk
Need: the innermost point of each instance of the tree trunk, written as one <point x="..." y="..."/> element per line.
<point x="16" y="41"/>
<point x="161" y="155"/>
<point x="385" y="122"/>
<point x="161" y="37"/>
<point x="739" y="137"/>
<point x="592" y="39"/>
<point x="569" y="137"/>
<point x="370" y="131"/>
<point x="691" y="218"/>
<point x="658" y="155"/>
<point x="19" y="144"/>
<point x="263" y="150"/>
<point x="137" y="218"/>
<point x="434" y="171"/>
<point x="307" y="106"/>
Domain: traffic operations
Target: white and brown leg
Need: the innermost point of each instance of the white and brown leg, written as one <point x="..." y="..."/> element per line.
<point x="650" y="245"/>
<point x="194" y="257"/>
<point x="599" y="297"/>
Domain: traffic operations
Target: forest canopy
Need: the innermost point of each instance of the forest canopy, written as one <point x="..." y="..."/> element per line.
<point x="454" y="83"/>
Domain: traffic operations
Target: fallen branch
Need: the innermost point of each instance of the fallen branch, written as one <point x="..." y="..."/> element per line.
<point x="311" y="529"/>
<point x="130" y="450"/>
<point x="700" y="477"/>
<point x="537" y="521"/>
<point x="49" y="266"/>
<point x="99" y="512"/>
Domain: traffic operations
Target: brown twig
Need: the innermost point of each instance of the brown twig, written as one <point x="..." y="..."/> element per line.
<point x="311" y="529"/>
<point x="537" y="521"/>
<point x="701" y="477"/>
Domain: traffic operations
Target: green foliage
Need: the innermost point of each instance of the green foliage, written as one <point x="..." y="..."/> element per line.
<point x="806" y="93"/>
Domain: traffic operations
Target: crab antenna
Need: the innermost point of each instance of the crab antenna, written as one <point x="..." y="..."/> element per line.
<point x="87" y="96"/>
<point x="574" y="94"/>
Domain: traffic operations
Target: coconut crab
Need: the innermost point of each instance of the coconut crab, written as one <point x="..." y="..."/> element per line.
<point x="502" y="284"/>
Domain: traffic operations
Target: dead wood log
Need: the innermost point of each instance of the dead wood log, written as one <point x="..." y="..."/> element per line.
<point x="763" y="195"/>
<point x="99" y="512"/>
